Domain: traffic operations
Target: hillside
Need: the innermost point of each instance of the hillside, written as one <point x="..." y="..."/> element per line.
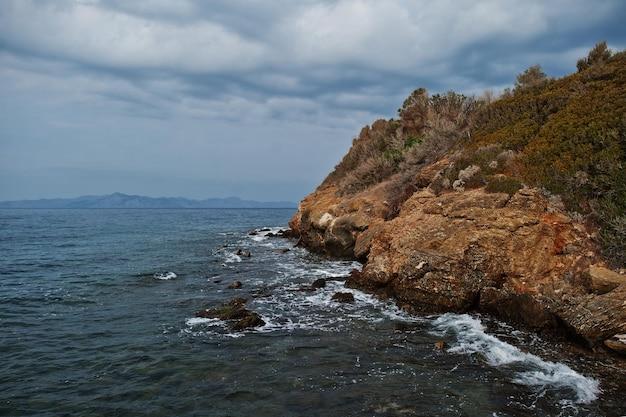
<point x="513" y="205"/>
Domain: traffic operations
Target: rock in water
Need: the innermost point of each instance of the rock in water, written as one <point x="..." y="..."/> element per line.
<point x="235" y="285"/>
<point x="319" y="283"/>
<point x="244" y="253"/>
<point x="234" y="311"/>
<point x="440" y="345"/>
<point x="250" y="320"/>
<point x="343" y="297"/>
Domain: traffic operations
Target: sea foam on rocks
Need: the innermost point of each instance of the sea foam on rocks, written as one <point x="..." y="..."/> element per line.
<point x="472" y="338"/>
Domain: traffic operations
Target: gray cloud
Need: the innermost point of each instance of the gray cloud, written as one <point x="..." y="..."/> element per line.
<point x="291" y="78"/>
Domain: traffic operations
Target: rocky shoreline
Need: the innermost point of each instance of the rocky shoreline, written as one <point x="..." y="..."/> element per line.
<point x="520" y="257"/>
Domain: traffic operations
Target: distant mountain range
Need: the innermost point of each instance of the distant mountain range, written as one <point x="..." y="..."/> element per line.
<point x="119" y="200"/>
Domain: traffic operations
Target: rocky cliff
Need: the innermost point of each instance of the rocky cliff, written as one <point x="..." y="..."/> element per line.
<point x="448" y="213"/>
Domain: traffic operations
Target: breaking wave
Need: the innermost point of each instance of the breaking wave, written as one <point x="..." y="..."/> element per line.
<point x="472" y="339"/>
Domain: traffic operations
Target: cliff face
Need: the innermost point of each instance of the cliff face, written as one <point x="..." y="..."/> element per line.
<point x="449" y="226"/>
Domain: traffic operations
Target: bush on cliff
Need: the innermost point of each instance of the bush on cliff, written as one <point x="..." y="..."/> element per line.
<point x="566" y="135"/>
<point x="570" y="135"/>
<point x="427" y="128"/>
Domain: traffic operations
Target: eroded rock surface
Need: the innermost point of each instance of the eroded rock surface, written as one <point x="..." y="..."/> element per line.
<point x="519" y="257"/>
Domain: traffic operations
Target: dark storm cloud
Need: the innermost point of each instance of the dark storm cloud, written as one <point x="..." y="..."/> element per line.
<point x="268" y="68"/>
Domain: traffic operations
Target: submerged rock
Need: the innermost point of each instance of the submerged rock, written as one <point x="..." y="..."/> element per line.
<point x="235" y="285"/>
<point x="401" y="326"/>
<point x="343" y="297"/>
<point x="319" y="283"/>
<point x="250" y="320"/>
<point x="244" y="253"/>
<point x="234" y="311"/>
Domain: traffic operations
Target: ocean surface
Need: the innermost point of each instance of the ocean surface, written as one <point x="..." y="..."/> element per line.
<point x="97" y="319"/>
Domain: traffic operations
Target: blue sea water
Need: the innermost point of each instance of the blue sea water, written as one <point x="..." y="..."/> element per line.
<point x="91" y="325"/>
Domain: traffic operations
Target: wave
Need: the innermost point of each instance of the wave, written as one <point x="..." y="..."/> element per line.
<point x="261" y="234"/>
<point x="165" y="275"/>
<point x="231" y="257"/>
<point x="472" y="339"/>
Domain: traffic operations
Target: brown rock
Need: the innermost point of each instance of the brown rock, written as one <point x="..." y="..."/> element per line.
<point x="235" y="285"/>
<point x="617" y="343"/>
<point x="440" y="345"/>
<point x="234" y="309"/>
<point x="520" y="257"/>
<point x="235" y="312"/>
<point x="343" y="297"/>
<point x="250" y="320"/>
<point x="604" y="280"/>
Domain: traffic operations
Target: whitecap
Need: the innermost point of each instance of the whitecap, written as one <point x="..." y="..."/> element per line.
<point x="472" y="338"/>
<point x="195" y="321"/>
<point x="232" y="257"/>
<point x="165" y="275"/>
<point x="261" y="234"/>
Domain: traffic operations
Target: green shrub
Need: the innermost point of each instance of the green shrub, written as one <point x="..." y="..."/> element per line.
<point x="613" y="239"/>
<point x="599" y="54"/>
<point x="503" y="184"/>
<point x="570" y="138"/>
<point x="532" y="77"/>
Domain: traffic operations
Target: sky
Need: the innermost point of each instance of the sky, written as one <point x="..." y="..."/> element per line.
<point x="257" y="99"/>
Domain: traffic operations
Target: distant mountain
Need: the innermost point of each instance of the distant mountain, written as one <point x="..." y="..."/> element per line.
<point x="119" y="200"/>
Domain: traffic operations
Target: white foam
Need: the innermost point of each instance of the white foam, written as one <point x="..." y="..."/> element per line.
<point x="472" y="338"/>
<point x="195" y="321"/>
<point x="232" y="257"/>
<point x="165" y="275"/>
<point x="262" y="235"/>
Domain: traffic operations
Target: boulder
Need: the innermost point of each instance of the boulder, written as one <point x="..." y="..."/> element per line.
<point x="604" y="280"/>
<point x="250" y="320"/>
<point x="235" y="312"/>
<point x="343" y="297"/>
<point x="617" y="343"/>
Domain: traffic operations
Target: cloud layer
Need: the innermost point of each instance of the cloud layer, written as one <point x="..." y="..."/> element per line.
<point x="267" y="71"/>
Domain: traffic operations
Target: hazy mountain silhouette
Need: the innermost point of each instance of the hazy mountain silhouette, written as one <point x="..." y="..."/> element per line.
<point x="119" y="200"/>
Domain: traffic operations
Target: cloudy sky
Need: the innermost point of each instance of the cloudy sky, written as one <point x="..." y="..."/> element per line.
<point x="255" y="98"/>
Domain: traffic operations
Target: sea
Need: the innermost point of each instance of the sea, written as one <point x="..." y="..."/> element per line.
<point x="97" y="318"/>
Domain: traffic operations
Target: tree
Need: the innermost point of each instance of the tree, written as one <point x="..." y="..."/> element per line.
<point x="415" y="105"/>
<point x="598" y="55"/>
<point x="532" y="77"/>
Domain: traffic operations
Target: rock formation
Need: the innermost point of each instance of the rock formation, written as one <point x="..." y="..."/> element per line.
<point x="449" y="229"/>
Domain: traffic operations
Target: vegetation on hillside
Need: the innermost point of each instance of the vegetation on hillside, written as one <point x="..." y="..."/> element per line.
<point x="570" y="137"/>
<point x="567" y="136"/>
